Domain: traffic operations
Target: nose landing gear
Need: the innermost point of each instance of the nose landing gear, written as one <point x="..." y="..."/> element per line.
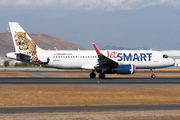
<point x="152" y="72"/>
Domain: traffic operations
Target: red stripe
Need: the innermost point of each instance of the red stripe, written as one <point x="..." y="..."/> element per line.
<point x="133" y="68"/>
<point x="96" y="49"/>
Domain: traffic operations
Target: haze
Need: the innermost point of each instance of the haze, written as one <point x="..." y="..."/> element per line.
<point x="131" y="23"/>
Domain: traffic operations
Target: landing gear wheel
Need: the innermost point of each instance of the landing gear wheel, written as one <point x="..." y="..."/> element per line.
<point x="101" y="75"/>
<point x="152" y="72"/>
<point x="92" y="75"/>
<point x="153" y="76"/>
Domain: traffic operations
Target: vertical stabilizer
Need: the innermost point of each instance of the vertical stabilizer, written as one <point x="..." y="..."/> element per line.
<point x="23" y="44"/>
<point x="15" y="28"/>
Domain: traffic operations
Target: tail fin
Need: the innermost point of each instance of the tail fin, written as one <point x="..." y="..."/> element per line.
<point x="23" y="44"/>
<point x="16" y="28"/>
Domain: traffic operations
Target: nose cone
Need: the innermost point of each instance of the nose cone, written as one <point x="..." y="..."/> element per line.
<point x="171" y="62"/>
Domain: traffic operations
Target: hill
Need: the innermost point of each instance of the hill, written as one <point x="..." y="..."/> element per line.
<point x="43" y="41"/>
<point x="109" y="47"/>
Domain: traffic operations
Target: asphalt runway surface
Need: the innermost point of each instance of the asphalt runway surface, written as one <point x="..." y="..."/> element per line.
<point x="98" y="108"/>
<point x="72" y="81"/>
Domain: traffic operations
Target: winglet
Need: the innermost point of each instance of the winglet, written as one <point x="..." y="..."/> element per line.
<point x="55" y="48"/>
<point x="96" y="49"/>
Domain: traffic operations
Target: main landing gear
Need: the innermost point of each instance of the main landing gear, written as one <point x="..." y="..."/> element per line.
<point x="152" y="72"/>
<point x="102" y="75"/>
<point x="93" y="75"/>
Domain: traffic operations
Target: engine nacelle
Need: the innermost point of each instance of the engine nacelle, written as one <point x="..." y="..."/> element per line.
<point x="124" y="69"/>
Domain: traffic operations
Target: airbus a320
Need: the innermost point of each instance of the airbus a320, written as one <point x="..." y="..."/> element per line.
<point x="99" y="61"/>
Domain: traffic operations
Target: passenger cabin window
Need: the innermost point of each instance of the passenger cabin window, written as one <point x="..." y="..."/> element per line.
<point x="165" y="56"/>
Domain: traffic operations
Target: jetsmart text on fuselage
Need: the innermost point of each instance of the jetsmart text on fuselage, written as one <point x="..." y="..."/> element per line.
<point x="130" y="56"/>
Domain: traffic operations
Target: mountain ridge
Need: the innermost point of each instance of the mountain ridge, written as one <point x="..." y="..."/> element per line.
<point x="112" y="47"/>
<point x="42" y="40"/>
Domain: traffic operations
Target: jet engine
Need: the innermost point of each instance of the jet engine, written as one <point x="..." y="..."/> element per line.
<point x="124" y="69"/>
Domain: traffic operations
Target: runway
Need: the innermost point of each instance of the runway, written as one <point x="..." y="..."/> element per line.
<point x="89" y="81"/>
<point x="98" y="108"/>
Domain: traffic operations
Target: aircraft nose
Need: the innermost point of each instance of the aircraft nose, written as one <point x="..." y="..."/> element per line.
<point x="171" y="62"/>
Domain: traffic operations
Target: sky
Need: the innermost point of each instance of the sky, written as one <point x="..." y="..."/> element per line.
<point x="128" y="12"/>
<point x="55" y="8"/>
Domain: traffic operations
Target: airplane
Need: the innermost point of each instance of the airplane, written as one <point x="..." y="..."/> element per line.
<point x="102" y="62"/>
<point x="55" y="48"/>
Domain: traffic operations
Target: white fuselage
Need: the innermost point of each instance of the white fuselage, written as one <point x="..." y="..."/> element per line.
<point x="87" y="59"/>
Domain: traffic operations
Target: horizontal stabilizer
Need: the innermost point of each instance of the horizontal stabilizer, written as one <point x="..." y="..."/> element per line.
<point x="23" y="56"/>
<point x="19" y="56"/>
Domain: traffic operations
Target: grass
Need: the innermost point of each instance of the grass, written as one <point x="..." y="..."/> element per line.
<point x="12" y="74"/>
<point x="62" y="95"/>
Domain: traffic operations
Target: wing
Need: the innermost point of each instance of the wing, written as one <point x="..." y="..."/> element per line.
<point x="103" y="60"/>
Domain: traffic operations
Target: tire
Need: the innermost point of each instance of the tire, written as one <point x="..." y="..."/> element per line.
<point x="153" y="76"/>
<point x="102" y="75"/>
<point x="92" y="75"/>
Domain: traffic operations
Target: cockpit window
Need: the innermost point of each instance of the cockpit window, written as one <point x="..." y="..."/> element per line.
<point x="165" y="56"/>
